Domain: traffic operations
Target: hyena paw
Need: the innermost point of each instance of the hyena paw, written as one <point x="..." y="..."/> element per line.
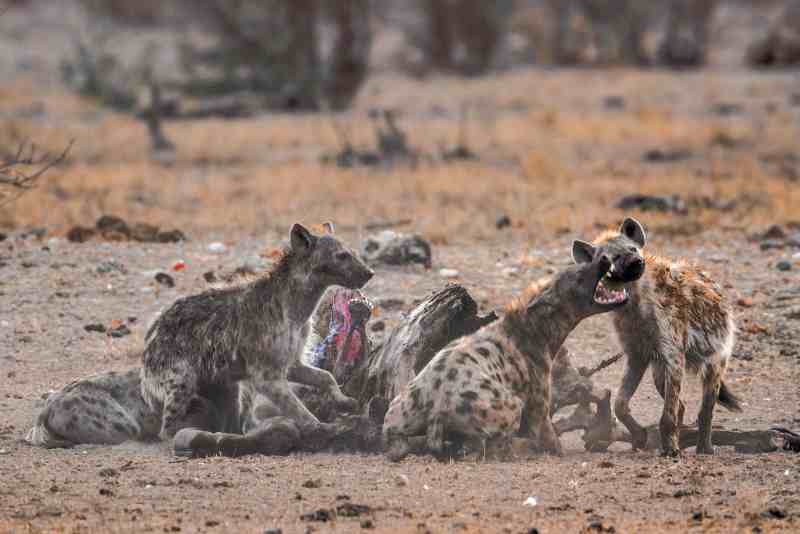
<point x="639" y="440"/>
<point x="194" y="443"/>
<point x="671" y="452"/>
<point x="706" y="449"/>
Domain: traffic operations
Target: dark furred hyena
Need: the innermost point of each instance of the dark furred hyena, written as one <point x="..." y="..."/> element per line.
<point x="677" y="318"/>
<point x="477" y="387"/>
<point x="208" y="351"/>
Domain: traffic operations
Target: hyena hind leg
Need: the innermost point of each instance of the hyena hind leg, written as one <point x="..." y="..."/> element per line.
<point x="712" y="381"/>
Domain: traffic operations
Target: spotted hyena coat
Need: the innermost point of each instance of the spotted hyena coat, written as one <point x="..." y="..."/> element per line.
<point x="102" y="409"/>
<point x="677" y="319"/>
<point x="478" y="387"/>
<point x="208" y="352"/>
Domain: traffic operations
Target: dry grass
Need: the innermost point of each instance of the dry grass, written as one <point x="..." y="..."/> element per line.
<point x="552" y="158"/>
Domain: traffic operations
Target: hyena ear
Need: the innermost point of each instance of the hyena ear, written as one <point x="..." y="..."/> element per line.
<point x="327" y="227"/>
<point x="302" y="240"/>
<point x="582" y="252"/>
<point x="632" y="229"/>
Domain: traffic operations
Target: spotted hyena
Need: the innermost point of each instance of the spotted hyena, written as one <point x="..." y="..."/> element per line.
<point x="109" y="409"/>
<point x="208" y="351"/>
<point x="677" y="318"/>
<point x="477" y="387"/>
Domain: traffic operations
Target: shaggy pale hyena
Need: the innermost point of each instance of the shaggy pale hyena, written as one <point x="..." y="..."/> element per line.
<point x="677" y="318"/>
<point x="477" y="387"/>
<point x="208" y="349"/>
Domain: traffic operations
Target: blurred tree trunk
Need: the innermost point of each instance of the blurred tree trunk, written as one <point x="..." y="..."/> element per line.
<point x="350" y="58"/>
<point x="686" y="40"/>
<point x="438" y="45"/>
<point x="302" y="54"/>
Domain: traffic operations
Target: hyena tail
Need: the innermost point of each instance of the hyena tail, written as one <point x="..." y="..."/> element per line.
<point x="728" y="399"/>
<point x="41" y="435"/>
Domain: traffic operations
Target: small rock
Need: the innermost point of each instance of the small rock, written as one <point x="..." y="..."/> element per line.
<point x="321" y="515"/>
<point x="212" y="523"/>
<point x="170" y="236"/>
<point x="273" y="531"/>
<point x="367" y="523"/>
<point x="111" y="266"/>
<point x="615" y="102"/>
<point x="775" y="512"/>
<point x="401" y="480"/>
<point x="392" y="248"/>
<point x="165" y="280"/>
<point x="120" y="331"/>
<point x="106" y="492"/>
<point x="726" y="109"/>
<point x="784" y="265"/>
<point x="448" y="273"/>
<point x="504" y="221"/>
<point x="95" y="327"/>
<point x="745" y="302"/>
<point x="658" y="155"/>
<point x="80" y="234"/>
<point x="673" y="204"/>
<point x="210" y="277"/>
<point x="108" y="472"/>
<point x="217" y="247"/>
<point x="349" y="509"/>
<point x="312" y="483"/>
<point x="774" y="231"/>
<point x="531" y="501"/>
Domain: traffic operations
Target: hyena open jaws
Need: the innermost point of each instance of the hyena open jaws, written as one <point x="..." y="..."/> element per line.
<point x="208" y="352"/>
<point x="677" y="318"/>
<point x="476" y="388"/>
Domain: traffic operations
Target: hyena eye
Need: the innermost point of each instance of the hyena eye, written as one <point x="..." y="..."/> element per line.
<point x="633" y="249"/>
<point x="341" y="256"/>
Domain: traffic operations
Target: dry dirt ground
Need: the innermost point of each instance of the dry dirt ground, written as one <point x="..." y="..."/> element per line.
<point x="557" y="149"/>
<point x="51" y="289"/>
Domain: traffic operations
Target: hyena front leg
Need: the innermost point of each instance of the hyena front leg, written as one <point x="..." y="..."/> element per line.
<point x="537" y="409"/>
<point x="668" y="426"/>
<point x="324" y="381"/>
<point x="712" y="380"/>
<point x="635" y="367"/>
<point x="659" y="373"/>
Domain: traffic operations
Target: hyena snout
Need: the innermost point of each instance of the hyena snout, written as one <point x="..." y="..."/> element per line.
<point x="628" y="268"/>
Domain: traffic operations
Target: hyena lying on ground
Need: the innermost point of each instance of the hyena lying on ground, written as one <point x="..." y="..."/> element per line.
<point x="476" y="388"/>
<point x="108" y="408"/>
<point x="216" y="356"/>
<point x="677" y="318"/>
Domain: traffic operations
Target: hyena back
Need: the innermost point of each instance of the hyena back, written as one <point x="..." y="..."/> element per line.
<point x="105" y="409"/>
<point x="476" y="388"/>
<point x="677" y="319"/>
<point x="208" y="349"/>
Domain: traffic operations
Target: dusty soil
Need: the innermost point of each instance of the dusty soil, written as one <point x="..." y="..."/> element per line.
<point x="557" y="149"/>
<point x="51" y="289"/>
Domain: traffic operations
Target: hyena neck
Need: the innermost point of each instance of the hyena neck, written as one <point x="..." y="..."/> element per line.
<point x="542" y="326"/>
<point x="283" y="295"/>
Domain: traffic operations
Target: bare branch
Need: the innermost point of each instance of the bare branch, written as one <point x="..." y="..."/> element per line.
<point x="602" y="365"/>
<point x="13" y="175"/>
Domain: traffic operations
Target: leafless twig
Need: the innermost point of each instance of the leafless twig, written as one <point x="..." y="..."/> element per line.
<point x="602" y="365"/>
<point x="12" y="169"/>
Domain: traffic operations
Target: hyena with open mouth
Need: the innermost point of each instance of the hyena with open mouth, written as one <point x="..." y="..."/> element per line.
<point x="677" y="318"/>
<point x="476" y="388"/>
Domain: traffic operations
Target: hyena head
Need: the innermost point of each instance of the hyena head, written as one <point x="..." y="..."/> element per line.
<point x="578" y="287"/>
<point x="326" y="261"/>
<point x="623" y="250"/>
